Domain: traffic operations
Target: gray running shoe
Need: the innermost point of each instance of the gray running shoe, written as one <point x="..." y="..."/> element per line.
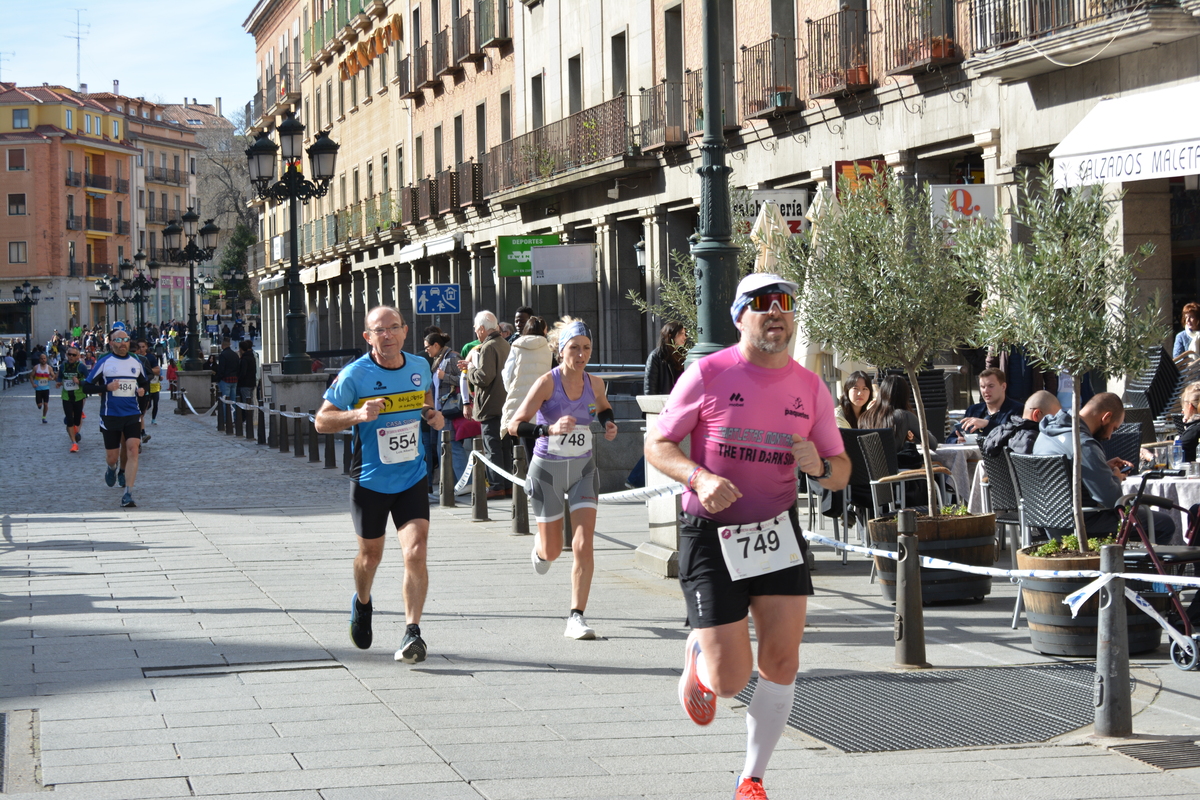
<point x="412" y="648"/>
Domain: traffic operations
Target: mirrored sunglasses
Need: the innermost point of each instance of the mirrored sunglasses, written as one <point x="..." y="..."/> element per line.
<point x="762" y="303"/>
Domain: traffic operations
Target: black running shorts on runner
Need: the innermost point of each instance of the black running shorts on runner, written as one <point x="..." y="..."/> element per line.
<point x="41" y="396"/>
<point x="712" y="596"/>
<point x="72" y="412"/>
<point x="370" y="509"/>
<point x="144" y="402"/>
<point x="113" y="428"/>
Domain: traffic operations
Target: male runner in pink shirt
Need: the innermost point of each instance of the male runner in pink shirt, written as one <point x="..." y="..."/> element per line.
<point x="754" y="416"/>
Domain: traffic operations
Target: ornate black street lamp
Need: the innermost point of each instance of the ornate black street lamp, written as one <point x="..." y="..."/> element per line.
<point x="28" y="296"/>
<point x="138" y="284"/>
<point x="293" y="186"/>
<point x="191" y="253"/>
<point x="715" y="253"/>
<point x="108" y="288"/>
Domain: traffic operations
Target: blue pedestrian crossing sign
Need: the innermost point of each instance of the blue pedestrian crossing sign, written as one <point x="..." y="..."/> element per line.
<point x="438" y="298"/>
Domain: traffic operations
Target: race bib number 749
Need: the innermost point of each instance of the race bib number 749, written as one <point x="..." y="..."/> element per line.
<point x="758" y="548"/>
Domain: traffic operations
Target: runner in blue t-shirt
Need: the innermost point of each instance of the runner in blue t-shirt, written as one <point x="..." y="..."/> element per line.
<point x="384" y="396"/>
<point x="120" y="379"/>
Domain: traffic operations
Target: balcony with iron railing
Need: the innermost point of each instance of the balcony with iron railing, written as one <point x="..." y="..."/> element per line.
<point x="493" y="22"/>
<point x="1072" y="30"/>
<point x="269" y="98"/>
<point x="258" y="108"/>
<point x="354" y="221"/>
<point x="122" y="227"/>
<point x="175" y="177"/>
<point x="693" y="101"/>
<point x="287" y="83"/>
<point x="447" y="191"/>
<point x="466" y="42"/>
<point x="74" y="222"/>
<point x="160" y="215"/>
<point x="94" y="181"/>
<point x="443" y="63"/>
<point x="74" y="178"/>
<point x="409" y="206"/>
<point x="95" y="270"/>
<point x="769" y="79"/>
<point x="839" y="54"/>
<point x="470" y="184"/>
<point x="422" y="77"/>
<point x="585" y="139"/>
<point x="427" y="191"/>
<point x="660" y="123"/>
<point x="919" y="36"/>
<point x="102" y="224"/>
<point x="122" y="186"/>
<point x="159" y="254"/>
<point x="404" y="79"/>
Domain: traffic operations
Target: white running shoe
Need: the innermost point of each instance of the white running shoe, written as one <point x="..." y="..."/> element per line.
<point x="577" y="627"/>
<point x="540" y="564"/>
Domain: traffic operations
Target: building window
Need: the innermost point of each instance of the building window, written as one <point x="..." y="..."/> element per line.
<point x="367" y="81"/>
<point x="458" y="139"/>
<point x="140" y="160"/>
<point x="341" y="98"/>
<point x="399" y="165"/>
<point x="536" y="103"/>
<point x="383" y="165"/>
<point x="87" y="123"/>
<point x="418" y="158"/>
<point x="18" y="253"/>
<point x="329" y="101"/>
<point x="71" y="252"/>
<point x="16" y="205"/>
<point x="480" y="131"/>
<point x="620" y="81"/>
<point x="437" y="148"/>
<point x="116" y="129"/>
<point x="70" y="120"/>
<point x="20" y="117"/>
<point x="192" y="165"/>
<point x="354" y="92"/>
<point x="16" y="160"/>
<point x="575" y="85"/>
<point x="142" y="198"/>
<point x="505" y="116"/>
<point x="370" y="179"/>
<point x="318" y="107"/>
<point x="382" y="72"/>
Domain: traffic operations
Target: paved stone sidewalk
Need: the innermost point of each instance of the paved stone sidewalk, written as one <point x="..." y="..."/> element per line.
<point x="197" y="646"/>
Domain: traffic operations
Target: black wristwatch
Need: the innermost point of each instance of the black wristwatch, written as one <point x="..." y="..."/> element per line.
<point x="827" y="469"/>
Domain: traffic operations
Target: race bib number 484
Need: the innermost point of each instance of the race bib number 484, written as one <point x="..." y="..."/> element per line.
<point x="398" y="443"/>
<point x="126" y="387"/>
<point x="759" y="548"/>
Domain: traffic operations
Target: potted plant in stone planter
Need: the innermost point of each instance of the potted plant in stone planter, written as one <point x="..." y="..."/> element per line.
<point x="883" y="287"/>
<point x="1067" y="295"/>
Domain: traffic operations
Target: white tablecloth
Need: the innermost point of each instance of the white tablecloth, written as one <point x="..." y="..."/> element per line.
<point x="960" y="460"/>
<point x="1183" y="492"/>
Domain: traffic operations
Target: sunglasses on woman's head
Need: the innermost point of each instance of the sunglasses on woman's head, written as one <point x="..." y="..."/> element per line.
<point x="762" y="303"/>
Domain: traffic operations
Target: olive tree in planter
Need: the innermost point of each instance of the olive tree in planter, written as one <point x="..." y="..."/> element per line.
<point x="1066" y="294"/>
<point x="884" y="287"/>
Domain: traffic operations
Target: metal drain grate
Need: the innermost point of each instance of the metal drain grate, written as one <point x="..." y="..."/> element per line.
<point x="880" y="711"/>
<point x="1164" y="755"/>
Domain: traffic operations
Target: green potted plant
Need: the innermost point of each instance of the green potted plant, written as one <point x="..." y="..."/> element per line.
<point x="883" y="287"/>
<point x="1066" y="294"/>
<point x="783" y="96"/>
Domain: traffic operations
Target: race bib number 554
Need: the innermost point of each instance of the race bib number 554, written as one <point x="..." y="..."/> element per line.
<point x="398" y="443"/>
<point x="758" y="548"/>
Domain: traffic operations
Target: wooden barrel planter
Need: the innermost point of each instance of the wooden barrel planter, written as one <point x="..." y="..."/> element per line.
<point x="966" y="540"/>
<point x="1052" y="629"/>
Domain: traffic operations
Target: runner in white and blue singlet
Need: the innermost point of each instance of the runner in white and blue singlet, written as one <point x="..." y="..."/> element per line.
<point x="120" y="379"/>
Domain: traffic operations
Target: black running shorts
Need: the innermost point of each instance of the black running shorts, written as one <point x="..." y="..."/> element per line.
<point x="712" y="596"/>
<point x="72" y="412"/>
<point x="41" y="396"/>
<point x="370" y="509"/>
<point x="114" y="428"/>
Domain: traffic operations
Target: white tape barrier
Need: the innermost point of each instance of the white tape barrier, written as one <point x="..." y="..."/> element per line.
<point x="627" y="496"/>
<point x="189" y="403"/>
<point x="265" y="410"/>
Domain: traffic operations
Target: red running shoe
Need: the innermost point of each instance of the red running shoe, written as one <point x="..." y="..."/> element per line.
<point x="74" y="448"/>
<point x="697" y="700"/>
<point x="750" y="789"/>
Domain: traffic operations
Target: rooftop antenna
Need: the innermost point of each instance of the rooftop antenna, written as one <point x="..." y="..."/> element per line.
<point x="81" y="32"/>
<point x="4" y="57"/>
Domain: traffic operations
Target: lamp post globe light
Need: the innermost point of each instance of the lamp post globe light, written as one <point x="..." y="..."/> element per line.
<point x="293" y="186"/>
<point x="180" y="240"/>
<point x="715" y="253"/>
<point x="139" y="285"/>
<point x="108" y="289"/>
<point x="28" y="296"/>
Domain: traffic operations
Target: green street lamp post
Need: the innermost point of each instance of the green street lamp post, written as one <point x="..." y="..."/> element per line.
<point x="28" y="296"/>
<point x="293" y="186"/>
<point x="112" y="296"/>
<point x="715" y="253"/>
<point x="190" y="253"/>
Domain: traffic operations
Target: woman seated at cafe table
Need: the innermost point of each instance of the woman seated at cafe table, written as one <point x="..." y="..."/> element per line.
<point x="857" y="394"/>
<point x="1190" y="401"/>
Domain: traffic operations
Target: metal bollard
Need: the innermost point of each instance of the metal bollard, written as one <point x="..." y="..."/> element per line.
<point x="1114" y="715"/>
<point x="330" y="453"/>
<point x="479" y="509"/>
<point x="220" y="415"/>
<point x="347" y="451"/>
<point x="283" y="430"/>
<point x="446" y="494"/>
<point x="520" y="504"/>
<point x="910" y="617"/>
<point x="248" y="416"/>
<point x="238" y="419"/>
<point x="273" y="432"/>
<point x="298" y="428"/>
<point x="230" y="411"/>
<point x="314" y="448"/>
<point x="180" y="407"/>
<point x="262" y="424"/>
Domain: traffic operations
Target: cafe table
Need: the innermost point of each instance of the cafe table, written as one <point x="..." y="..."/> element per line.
<point x="960" y="459"/>
<point x="1183" y="492"/>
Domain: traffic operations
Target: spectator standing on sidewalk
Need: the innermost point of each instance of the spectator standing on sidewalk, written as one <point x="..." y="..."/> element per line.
<point x="484" y="372"/>
<point x="247" y="371"/>
<point x="227" y="372"/>
<point x="384" y="396"/>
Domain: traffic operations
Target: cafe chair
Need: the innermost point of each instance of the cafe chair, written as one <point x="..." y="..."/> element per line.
<point x="857" y="494"/>
<point x="1002" y="497"/>
<point x="1125" y="442"/>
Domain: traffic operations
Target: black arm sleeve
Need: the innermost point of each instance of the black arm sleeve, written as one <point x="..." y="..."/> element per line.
<point x="606" y="416"/>
<point x="530" y="429"/>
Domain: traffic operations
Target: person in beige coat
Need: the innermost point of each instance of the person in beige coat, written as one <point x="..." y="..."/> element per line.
<point x="530" y="358"/>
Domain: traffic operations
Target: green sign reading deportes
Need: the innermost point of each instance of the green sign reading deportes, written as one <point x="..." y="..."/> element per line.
<point x="514" y="256"/>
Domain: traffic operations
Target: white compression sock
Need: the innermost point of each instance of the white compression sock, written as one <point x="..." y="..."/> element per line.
<point x="702" y="670"/>
<point x="765" y="718"/>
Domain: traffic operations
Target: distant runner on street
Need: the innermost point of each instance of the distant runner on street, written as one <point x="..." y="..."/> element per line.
<point x="754" y="416"/>
<point x="384" y="396"/>
<point x="43" y="373"/>
<point x="71" y="377"/>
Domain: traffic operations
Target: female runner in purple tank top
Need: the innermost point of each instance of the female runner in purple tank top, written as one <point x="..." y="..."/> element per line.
<point x="564" y="402"/>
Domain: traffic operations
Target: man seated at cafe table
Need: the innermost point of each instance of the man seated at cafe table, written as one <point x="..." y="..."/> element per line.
<point x="1017" y="434"/>
<point x="995" y="409"/>
<point x="1098" y="418"/>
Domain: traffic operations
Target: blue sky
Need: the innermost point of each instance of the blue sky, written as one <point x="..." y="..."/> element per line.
<point x="162" y="51"/>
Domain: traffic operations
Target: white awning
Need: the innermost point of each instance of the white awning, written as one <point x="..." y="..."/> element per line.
<point x="1138" y="137"/>
<point x="272" y="283"/>
<point x="308" y="275"/>
<point x="411" y="252"/>
<point x="447" y="244"/>
<point x="330" y="269"/>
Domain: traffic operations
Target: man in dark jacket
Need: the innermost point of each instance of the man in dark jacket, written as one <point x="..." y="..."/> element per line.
<point x="1018" y="434"/>
<point x="227" y="372"/>
<point x="995" y="409"/>
<point x="484" y="367"/>
<point x="247" y="372"/>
